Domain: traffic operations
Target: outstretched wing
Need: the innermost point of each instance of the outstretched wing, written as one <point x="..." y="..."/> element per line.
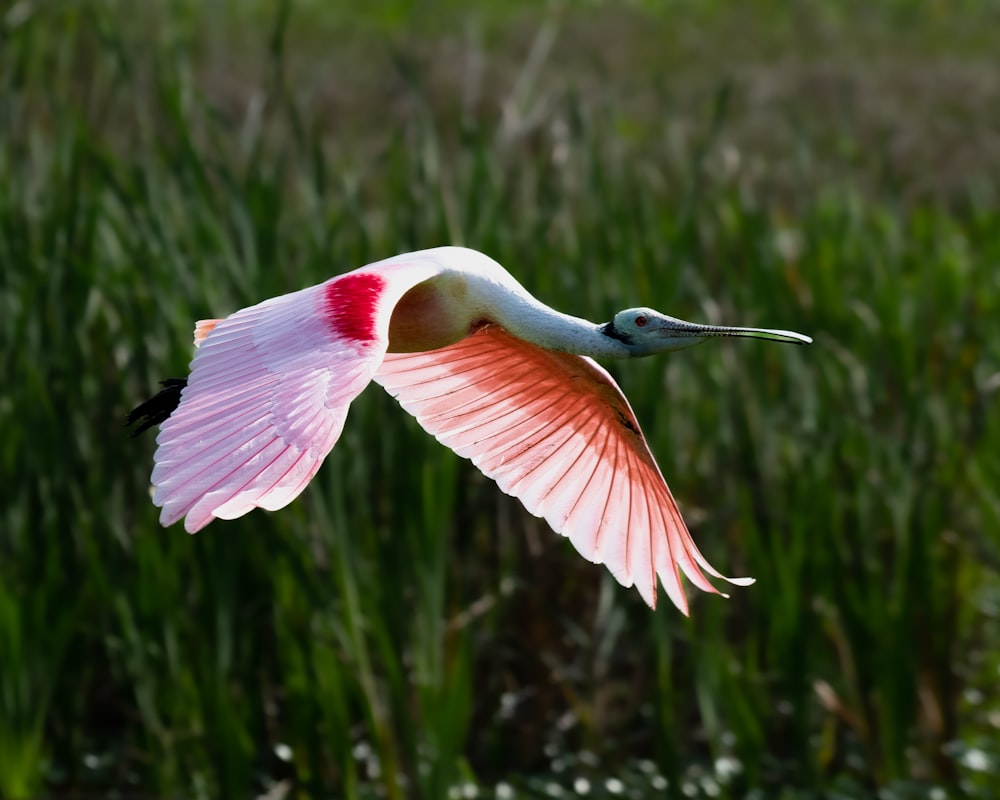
<point x="555" y="431"/>
<point x="269" y="391"/>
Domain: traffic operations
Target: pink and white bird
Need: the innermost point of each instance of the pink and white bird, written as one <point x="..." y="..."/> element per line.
<point x="491" y="372"/>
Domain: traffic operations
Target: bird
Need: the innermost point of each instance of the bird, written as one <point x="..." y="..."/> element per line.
<point x="486" y="368"/>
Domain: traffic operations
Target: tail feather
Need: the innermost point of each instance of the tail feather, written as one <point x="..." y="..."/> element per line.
<point x="202" y="328"/>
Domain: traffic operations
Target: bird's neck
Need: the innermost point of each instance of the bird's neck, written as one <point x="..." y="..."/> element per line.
<point x="474" y="287"/>
<point x="527" y="318"/>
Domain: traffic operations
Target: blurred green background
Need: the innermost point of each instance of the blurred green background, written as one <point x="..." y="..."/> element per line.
<point x="405" y="630"/>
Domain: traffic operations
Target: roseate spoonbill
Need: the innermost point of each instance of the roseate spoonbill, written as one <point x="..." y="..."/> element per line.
<point x="487" y="369"/>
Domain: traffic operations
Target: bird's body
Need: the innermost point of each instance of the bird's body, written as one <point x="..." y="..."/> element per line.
<point x="489" y="370"/>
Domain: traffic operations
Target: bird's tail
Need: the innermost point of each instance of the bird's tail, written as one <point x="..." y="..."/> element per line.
<point x="202" y="328"/>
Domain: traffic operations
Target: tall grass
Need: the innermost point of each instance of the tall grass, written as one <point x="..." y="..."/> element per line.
<point x="404" y="630"/>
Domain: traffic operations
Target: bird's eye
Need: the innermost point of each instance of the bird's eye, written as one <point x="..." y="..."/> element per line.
<point x="640" y="321"/>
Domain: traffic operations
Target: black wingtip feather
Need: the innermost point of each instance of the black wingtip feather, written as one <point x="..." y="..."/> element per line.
<point x="158" y="407"/>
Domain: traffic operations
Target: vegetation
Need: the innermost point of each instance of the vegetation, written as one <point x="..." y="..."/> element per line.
<point x="404" y="630"/>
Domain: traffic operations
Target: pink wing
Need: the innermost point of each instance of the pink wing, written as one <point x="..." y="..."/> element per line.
<point x="555" y="431"/>
<point x="268" y="394"/>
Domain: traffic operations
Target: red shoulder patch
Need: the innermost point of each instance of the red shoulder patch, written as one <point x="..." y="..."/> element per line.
<point x="351" y="304"/>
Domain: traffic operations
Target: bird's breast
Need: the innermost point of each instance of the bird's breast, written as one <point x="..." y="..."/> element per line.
<point x="431" y="315"/>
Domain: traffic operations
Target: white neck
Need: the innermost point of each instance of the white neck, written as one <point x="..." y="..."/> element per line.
<point x="535" y="322"/>
<point x="485" y="290"/>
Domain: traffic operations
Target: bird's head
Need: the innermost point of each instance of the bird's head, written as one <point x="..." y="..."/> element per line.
<point x="645" y="331"/>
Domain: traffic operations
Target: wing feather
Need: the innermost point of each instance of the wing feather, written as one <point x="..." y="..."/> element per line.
<point x="554" y="430"/>
<point x="269" y="392"/>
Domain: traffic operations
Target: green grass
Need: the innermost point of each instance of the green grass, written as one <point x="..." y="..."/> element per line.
<point x="404" y="629"/>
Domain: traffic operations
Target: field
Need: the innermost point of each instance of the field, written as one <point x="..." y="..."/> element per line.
<point x="404" y="629"/>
